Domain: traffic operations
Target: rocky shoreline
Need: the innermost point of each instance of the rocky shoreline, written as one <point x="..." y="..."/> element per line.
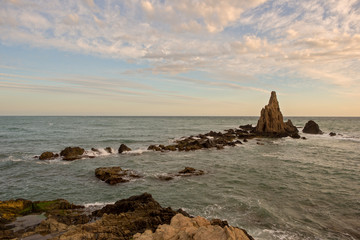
<point x="138" y="217"/>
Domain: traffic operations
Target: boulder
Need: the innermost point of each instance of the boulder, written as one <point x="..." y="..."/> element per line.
<point x="290" y="128"/>
<point x="312" y="127"/>
<point x="123" y="148"/>
<point x="182" y="227"/>
<point x="72" y="153"/>
<point x="48" y="156"/>
<point x="271" y="120"/>
<point x="114" y="175"/>
<point x="332" y="134"/>
<point x="248" y="127"/>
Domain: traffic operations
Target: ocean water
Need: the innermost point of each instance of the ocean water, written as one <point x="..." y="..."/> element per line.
<point x="284" y="189"/>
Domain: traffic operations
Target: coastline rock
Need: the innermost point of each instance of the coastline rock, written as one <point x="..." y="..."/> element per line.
<point x="123" y="148"/>
<point x="48" y="156"/>
<point x="131" y="218"/>
<point x="114" y="175"/>
<point x="312" y="127"/>
<point x="185" y="228"/>
<point x="72" y="153"/>
<point x="332" y="134"/>
<point x="248" y="127"/>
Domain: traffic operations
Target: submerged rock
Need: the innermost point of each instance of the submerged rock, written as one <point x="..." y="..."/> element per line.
<point x="72" y="153"/>
<point x="186" y="172"/>
<point x="312" y="127"/>
<point x="123" y="148"/>
<point x="114" y="175"/>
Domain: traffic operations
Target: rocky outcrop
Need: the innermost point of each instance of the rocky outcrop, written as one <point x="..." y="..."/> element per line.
<point x="48" y="156"/>
<point x="185" y="228"/>
<point x="123" y="148"/>
<point x="134" y="218"/>
<point x="186" y="172"/>
<point x="332" y="134"/>
<point x="114" y="175"/>
<point x="271" y="121"/>
<point x="312" y="127"/>
<point x="72" y="153"/>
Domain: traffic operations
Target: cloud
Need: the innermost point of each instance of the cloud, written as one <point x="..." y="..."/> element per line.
<point x="317" y="40"/>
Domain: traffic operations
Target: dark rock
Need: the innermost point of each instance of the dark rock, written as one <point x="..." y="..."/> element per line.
<point x="186" y="172"/>
<point x="47" y="156"/>
<point x="154" y="148"/>
<point x="295" y="135"/>
<point x="290" y="128"/>
<point x="114" y="175"/>
<point x="219" y="222"/>
<point x="72" y="153"/>
<point x="312" y="128"/>
<point x="248" y="127"/>
<point x="108" y="150"/>
<point x="219" y="146"/>
<point x="95" y="150"/>
<point x="332" y="134"/>
<point x="304" y="138"/>
<point x="245" y="140"/>
<point x="123" y="148"/>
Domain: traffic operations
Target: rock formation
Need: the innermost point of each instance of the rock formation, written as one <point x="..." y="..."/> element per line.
<point x="114" y="175"/>
<point x="48" y="156"/>
<point x="186" y="172"/>
<point x="185" y="228"/>
<point x="271" y="121"/>
<point x="72" y="153"/>
<point x="123" y="148"/>
<point x="312" y="128"/>
<point x="121" y="220"/>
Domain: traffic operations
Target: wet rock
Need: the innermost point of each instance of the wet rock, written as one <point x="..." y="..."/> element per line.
<point x="186" y="228"/>
<point x="72" y="153"/>
<point x="290" y="128"/>
<point x="332" y="134"/>
<point x="186" y="172"/>
<point x="312" y="127"/>
<point x="48" y="156"/>
<point x="108" y="150"/>
<point x="295" y="135"/>
<point x="248" y="127"/>
<point x="154" y="148"/>
<point x="114" y="175"/>
<point x="95" y="150"/>
<point x="123" y="148"/>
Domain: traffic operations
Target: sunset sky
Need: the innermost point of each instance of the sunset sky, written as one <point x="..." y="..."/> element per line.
<point x="188" y="57"/>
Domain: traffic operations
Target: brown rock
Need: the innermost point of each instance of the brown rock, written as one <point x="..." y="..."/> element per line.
<point x="186" y="228"/>
<point x="123" y="148"/>
<point x="47" y="156"/>
<point x="72" y="153"/>
<point x="114" y="175"/>
<point x="271" y="120"/>
<point x="312" y="128"/>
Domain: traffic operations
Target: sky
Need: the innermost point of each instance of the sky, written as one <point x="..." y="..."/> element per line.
<point x="188" y="57"/>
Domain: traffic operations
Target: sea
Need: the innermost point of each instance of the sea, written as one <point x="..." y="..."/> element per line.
<point x="274" y="188"/>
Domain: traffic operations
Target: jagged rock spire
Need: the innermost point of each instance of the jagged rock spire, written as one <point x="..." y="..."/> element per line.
<point x="271" y="120"/>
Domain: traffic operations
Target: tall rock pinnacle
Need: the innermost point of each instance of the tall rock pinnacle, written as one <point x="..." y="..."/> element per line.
<point x="271" y="120"/>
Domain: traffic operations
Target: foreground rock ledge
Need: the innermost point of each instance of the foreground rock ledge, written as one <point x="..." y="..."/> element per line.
<point x="137" y="217"/>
